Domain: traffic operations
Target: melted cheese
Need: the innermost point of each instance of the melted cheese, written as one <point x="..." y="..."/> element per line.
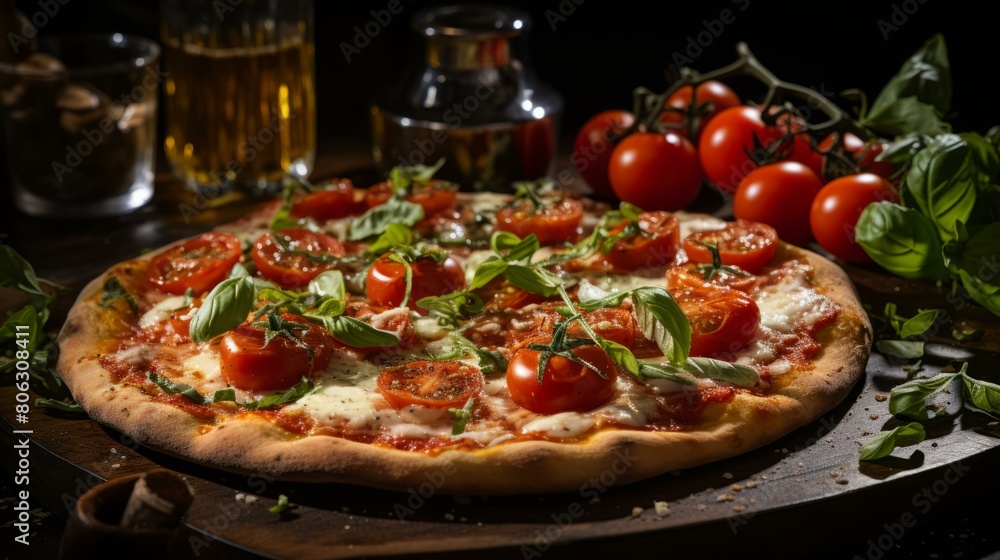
<point x="561" y="425"/>
<point x="161" y="311"/>
<point x="791" y="302"/>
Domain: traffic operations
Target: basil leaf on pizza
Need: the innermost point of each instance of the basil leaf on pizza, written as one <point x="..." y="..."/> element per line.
<point x="224" y="308"/>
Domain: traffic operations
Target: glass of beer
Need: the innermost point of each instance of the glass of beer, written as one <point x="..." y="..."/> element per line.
<point x="240" y="96"/>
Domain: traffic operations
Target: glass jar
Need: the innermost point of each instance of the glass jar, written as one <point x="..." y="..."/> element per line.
<point x="474" y="100"/>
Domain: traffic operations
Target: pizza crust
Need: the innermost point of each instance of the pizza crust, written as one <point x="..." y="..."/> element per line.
<point x="252" y="444"/>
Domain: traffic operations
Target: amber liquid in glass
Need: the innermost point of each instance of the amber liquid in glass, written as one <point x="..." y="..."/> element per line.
<point x="240" y="115"/>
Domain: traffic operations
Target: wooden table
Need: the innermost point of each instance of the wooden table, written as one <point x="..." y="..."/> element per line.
<point x="805" y="494"/>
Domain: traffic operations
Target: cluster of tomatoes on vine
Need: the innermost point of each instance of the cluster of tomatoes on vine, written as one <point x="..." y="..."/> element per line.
<point x="776" y="173"/>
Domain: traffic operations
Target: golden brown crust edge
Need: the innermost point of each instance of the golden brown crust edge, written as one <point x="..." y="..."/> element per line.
<point x="255" y="445"/>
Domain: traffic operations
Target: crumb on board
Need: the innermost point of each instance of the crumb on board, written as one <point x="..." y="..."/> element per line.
<point x="726" y="497"/>
<point x="662" y="508"/>
<point x="637" y="511"/>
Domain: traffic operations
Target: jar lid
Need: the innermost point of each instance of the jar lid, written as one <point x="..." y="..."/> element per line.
<point x="471" y="21"/>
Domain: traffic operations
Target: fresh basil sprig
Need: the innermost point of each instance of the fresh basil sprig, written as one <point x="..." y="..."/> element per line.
<point x="113" y="291"/>
<point x="299" y="390"/>
<point x="883" y="444"/>
<point x="396" y="210"/>
<point x="192" y="394"/>
<point x="405" y="177"/>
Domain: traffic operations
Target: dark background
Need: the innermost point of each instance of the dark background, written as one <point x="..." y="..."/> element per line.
<point x="603" y="49"/>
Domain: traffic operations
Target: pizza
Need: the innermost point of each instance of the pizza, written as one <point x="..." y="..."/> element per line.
<point x="487" y="343"/>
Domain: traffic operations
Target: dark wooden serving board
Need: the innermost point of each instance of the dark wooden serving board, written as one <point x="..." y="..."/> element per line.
<point x="809" y="481"/>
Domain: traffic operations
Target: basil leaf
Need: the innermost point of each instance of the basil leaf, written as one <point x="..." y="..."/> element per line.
<point x="901" y="240"/>
<point x="984" y="293"/>
<point x="983" y="394"/>
<point x="404" y="176"/>
<point x="610" y="300"/>
<point x="660" y="370"/>
<point x="16" y="273"/>
<point x="487" y="271"/>
<point x="620" y="355"/>
<point x="909" y="399"/>
<point x="358" y="334"/>
<point x="535" y="280"/>
<point x="113" y="291"/>
<point x="452" y="306"/>
<point x="395" y="234"/>
<point x="461" y="416"/>
<point x="281" y="506"/>
<point x="27" y="316"/>
<point x="524" y="250"/>
<point x="378" y="219"/>
<point x="224" y="395"/>
<point x="943" y="183"/>
<point x="300" y="390"/>
<point x="744" y="376"/>
<point x="964" y="334"/>
<point x="225" y="308"/>
<point x="328" y="284"/>
<point x="883" y="444"/>
<point x="283" y="217"/>
<point x="919" y="323"/>
<point x="662" y="321"/>
<point x="975" y="261"/>
<point x="490" y="361"/>
<point x="902" y="348"/>
<point x="330" y="308"/>
<point x="171" y="388"/>
<point x="503" y="242"/>
<point x="239" y="271"/>
<point x="407" y="276"/>
<point x="62" y="406"/>
<point x="918" y="95"/>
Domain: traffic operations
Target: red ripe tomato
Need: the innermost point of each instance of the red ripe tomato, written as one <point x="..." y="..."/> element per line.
<point x="722" y="320"/>
<point x="565" y="385"/>
<point x="748" y="245"/>
<point x="436" y="196"/>
<point x="249" y="365"/>
<point x="677" y="277"/>
<point x="335" y="201"/>
<point x="499" y="295"/>
<point x="295" y="269"/>
<point x="863" y="153"/>
<point x="725" y="141"/>
<point x="837" y="207"/>
<point x="554" y="224"/>
<point x="613" y="323"/>
<point x="780" y="195"/>
<point x="655" y="171"/>
<point x="199" y="263"/>
<point x="593" y="146"/>
<point x="386" y="282"/>
<point x="434" y="384"/>
<point x="653" y="247"/>
<point x="711" y="92"/>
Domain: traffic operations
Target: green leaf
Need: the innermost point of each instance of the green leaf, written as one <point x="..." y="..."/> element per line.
<point x="620" y="355"/>
<point x="356" y="333"/>
<point x="224" y="395"/>
<point x="923" y="81"/>
<point x="16" y="273"/>
<point x="27" y="316"/>
<point x="282" y="505"/>
<point x="909" y="399"/>
<point x="395" y="234"/>
<point x="330" y="308"/>
<point x="965" y="334"/>
<point x="901" y="240"/>
<point x="902" y="348"/>
<point x="982" y="394"/>
<point x="60" y="405"/>
<point x="405" y="176"/>
<point x="533" y="279"/>
<point x="610" y="300"/>
<point x="490" y="361"/>
<point x="502" y="242"/>
<point x="453" y="306"/>
<point x="744" y="376"/>
<point x="461" y="416"/>
<point x="113" y="291"/>
<point x="944" y="183"/>
<point x="487" y="271"/>
<point x="300" y="390"/>
<point x="328" y="284"/>
<point x="377" y="220"/>
<point x="524" y="250"/>
<point x="660" y="370"/>
<point x="225" y="308"/>
<point x="662" y="321"/>
<point x="977" y="263"/>
<point x="919" y="324"/>
<point x="283" y="217"/>
<point x="883" y="444"/>
<point x="171" y="388"/>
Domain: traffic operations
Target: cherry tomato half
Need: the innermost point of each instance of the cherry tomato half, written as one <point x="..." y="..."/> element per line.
<point x="436" y="196"/>
<point x="726" y="140"/>
<point x="199" y="263"/>
<point x="433" y="384"/>
<point x="552" y="225"/>
<point x="780" y="195"/>
<point x="386" y="282"/>
<point x="748" y="245"/>
<point x="335" y="201"/>
<point x="654" y="246"/>
<point x="594" y="144"/>
<point x="566" y="385"/>
<point x="713" y="96"/>
<point x="722" y="320"/>
<point x="655" y="171"/>
<point x="837" y="207"/>
<point x="249" y="365"/>
<point x="293" y="269"/>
